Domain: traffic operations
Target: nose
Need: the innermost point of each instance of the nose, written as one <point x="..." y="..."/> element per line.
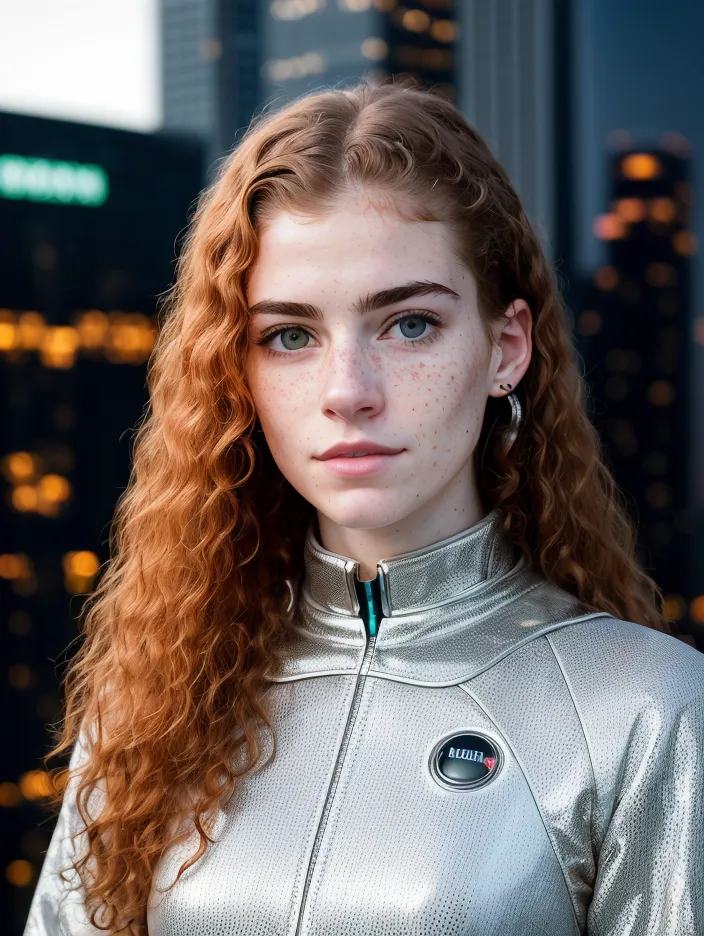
<point x="352" y="382"/>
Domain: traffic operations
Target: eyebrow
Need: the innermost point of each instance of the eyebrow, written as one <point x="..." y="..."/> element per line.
<point x="368" y="303"/>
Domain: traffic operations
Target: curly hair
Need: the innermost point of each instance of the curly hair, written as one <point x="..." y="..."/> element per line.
<point x="193" y="609"/>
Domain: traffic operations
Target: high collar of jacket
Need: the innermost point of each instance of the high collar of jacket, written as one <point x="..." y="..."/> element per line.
<point x="448" y="609"/>
<point x="415" y="581"/>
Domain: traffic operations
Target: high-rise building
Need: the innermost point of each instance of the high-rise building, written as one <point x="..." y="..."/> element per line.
<point x="89" y="220"/>
<point x="210" y="68"/>
<point x="222" y="59"/>
<point x="333" y="43"/>
<point x="515" y="76"/>
<point x="635" y="336"/>
<point x="508" y="65"/>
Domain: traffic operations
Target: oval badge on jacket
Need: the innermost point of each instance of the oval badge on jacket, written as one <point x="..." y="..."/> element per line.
<point x="465" y="761"/>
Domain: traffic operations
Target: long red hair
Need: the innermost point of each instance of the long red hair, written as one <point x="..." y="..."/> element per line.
<point x="192" y="608"/>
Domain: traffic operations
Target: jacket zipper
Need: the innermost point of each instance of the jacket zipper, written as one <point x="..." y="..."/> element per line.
<point x="351" y="718"/>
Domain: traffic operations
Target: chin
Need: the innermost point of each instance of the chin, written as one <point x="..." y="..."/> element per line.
<point x="363" y="510"/>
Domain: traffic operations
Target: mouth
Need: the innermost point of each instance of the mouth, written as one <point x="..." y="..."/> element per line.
<point x="352" y="466"/>
<point x="360" y="452"/>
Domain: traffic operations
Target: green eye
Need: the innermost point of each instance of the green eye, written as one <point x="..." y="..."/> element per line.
<point x="412" y="321"/>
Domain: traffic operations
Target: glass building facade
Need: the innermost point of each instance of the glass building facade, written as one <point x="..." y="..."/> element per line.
<point x="636" y="341"/>
<point x="514" y="82"/>
<point x="222" y="61"/>
<point x="90" y="220"/>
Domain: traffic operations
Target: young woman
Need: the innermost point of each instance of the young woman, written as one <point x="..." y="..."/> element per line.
<point x="373" y="654"/>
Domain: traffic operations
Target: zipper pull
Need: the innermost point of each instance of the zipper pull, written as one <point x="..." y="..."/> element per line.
<point x="371" y="610"/>
<point x="369" y="597"/>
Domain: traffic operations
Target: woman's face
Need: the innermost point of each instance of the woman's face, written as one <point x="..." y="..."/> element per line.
<point x="410" y="373"/>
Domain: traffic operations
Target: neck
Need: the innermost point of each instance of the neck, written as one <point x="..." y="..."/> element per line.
<point x="461" y="508"/>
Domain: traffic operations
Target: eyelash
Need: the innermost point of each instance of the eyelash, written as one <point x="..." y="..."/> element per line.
<point x="428" y="317"/>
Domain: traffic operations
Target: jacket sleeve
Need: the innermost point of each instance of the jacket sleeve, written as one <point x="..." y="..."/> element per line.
<point x="650" y="876"/>
<point x="57" y="907"/>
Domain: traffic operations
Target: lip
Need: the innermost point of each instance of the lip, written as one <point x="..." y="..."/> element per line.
<point x="348" y="467"/>
<point x="346" y="449"/>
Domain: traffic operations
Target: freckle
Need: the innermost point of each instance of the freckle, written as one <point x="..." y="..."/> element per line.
<point x="452" y="378"/>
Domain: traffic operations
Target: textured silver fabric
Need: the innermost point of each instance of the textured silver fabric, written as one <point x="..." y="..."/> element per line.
<point x="594" y="823"/>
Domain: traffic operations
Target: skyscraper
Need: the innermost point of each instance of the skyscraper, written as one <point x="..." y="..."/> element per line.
<point x="515" y="86"/>
<point x="638" y="356"/>
<point x="88" y="221"/>
<point x="210" y="68"/>
<point x="222" y="60"/>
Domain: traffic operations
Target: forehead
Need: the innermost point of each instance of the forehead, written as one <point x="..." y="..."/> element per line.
<point x="341" y="250"/>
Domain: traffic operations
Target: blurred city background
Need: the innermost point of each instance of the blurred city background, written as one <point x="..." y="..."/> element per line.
<point x="112" y="117"/>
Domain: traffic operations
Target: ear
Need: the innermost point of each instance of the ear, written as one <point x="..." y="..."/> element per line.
<point x="513" y="349"/>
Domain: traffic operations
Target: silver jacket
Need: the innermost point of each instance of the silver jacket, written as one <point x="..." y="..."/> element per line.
<point x="495" y="760"/>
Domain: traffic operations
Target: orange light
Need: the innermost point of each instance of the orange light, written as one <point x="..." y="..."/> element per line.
<point x="661" y="393"/>
<point x="24" y="498"/>
<point x="20" y="676"/>
<point x="36" y="784"/>
<point x="14" y="566"/>
<point x="19" y="873"/>
<point x="685" y="243"/>
<point x="641" y="166"/>
<point x="374" y="48"/>
<point x="673" y="607"/>
<point x="606" y="278"/>
<point x="609" y="227"/>
<point x="19" y="466"/>
<point x="81" y="563"/>
<point x="630" y="209"/>
<point x="444" y="30"/>
<point x="31" y="327"/>
<point x="8" y="336"/>
<point x="663" y="209"/>
<point x="660" y="274"/>
<point x="415" y="21"/>
<point x="92" y="327"/>
<point x="10" y="794"/>
<point x="696" y="609"/>
<point x="53" y="487"/>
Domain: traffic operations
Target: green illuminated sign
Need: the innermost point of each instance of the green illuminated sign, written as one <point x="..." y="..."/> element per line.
<point x="48" y="180"/>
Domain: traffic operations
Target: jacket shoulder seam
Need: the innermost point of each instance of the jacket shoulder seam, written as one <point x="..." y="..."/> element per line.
<point x="580" y="719"/>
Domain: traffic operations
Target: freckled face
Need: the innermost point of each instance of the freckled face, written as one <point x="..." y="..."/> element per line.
<point x="414" y="375"/>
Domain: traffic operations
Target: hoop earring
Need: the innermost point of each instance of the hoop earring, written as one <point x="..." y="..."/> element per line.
<point x="510" y="434"/>
<point x="292" y="598"/>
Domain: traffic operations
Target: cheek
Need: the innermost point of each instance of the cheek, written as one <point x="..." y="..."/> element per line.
<point x="270" y="390"/>
<point x="443" y="399"/>
<point x="281" y="403"/>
